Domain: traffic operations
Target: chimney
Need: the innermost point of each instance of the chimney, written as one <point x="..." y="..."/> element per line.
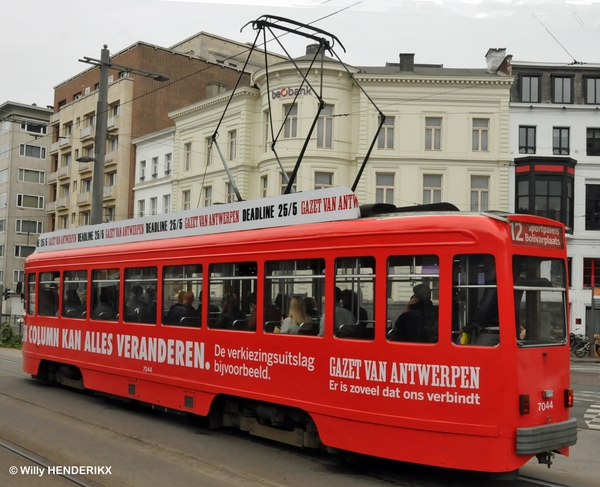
<point x="494" y="58"/>
<point x="313" y="49"/>
<point x="407" y="62"/>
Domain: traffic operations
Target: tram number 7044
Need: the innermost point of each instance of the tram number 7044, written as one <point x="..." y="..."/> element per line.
<point x="545" y="405"/>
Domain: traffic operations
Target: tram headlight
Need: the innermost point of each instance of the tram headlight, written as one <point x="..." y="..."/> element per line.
<point x="524" y="404"/>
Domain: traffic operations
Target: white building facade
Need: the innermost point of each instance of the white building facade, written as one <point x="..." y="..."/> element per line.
<point x="445" y="137"/>
<point x="555" y="145"/>
<point x="153" y="172"/>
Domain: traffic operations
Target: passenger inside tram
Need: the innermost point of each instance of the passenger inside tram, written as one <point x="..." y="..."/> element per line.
<point x="341" y="315"/>
<point x="415" y="324"/>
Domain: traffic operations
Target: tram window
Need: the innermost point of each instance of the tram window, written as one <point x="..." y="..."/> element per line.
<point x="355" y="279"/>
<point x="31" y="295"/>
<point x="475" y="300"/>
<point x="231" y="287"/>
<point x="540" y="300"/>
<point x="182" y="295"/>
<point x="49" y="293"/>
<point x="286" y="279"/>
<point x="140" y="295"/>
<point x="75" y="285"/>
<point x="105" y="294"/>
<point x="413" y="298"/>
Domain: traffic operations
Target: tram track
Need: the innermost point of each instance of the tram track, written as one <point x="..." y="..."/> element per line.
<point x="388" y="473"/>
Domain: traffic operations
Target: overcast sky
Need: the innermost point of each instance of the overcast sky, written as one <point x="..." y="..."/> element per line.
<point x="43" y="39"/>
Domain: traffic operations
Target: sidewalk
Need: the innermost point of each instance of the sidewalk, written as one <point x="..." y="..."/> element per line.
<point x="580" y="469"/>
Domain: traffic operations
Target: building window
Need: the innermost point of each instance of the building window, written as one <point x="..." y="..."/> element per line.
<point x="29" y="226"/>
<point x="526" y="140"/>
<point x="530" y="89"/>
<point x="84" y="218"/>
<point x="2" y="250"/>
<point x="154" y="167"/>
<point x="167" y="203"/>
<point x="230" y="193"/>
<point x="111" y="179"/>
<point x="142" y="170"/>
<point x="187" y="157"/>
<point x="325" y="128"/>
<point x="3" y="198"/>
<point x="544" y="187"/>
<point x="24" y="250"/>
<point x="592" y="91"/>
<point x="66" y="160"/>
<point x="3" y="225"/>
<point x="593" y="142"/>
<point x="591" y="273"/>
<point x="153" y="205"/>
<point x="168" y="158"/>
<point x="433" y="133"/>
<point x="4" y="175"/>
<point x="208" y="196"/>
<point x="562" y="90"/>
<point x="113" y="144"/>
<point x="385" y="139"/>
<point x="290" y="127"/>
<point x="284" y="183"/>
<point x="141" y="207"/>
<point x="186" y="197"/>
<point x="267" y="128"/>
<point x="65" y="190"/>
<point x="264" y="186"/>
<point x="480" y="193"/>
<point x="384" y="188"/>
<point x="323" y="180"/>
<point x="18" y="276"/>
<point x="232" y="140"/>
<point x="4" y="151"/>
<point x="592" y="206"/>
<point x="30" y="201"/>
<point x="481" y="128"/>
<point x="111" y="214"/>
<point x="560" y="141"/>
<point x="34" y="128"/>
<point x="27" y="150"/>
<point x="432" y="189"/>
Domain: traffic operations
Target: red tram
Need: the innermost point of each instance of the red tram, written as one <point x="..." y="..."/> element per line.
<point x="434" y="334"/>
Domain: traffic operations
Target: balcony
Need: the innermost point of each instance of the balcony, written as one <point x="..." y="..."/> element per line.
<point x="64" y="141"/>
<point x="52" y="177"/>
<point x="84" y="198"/>
<point x="85" y="167"/>
<point x="87" y="132"/>
<point x="108" y="191"/>
<point x="54" y="118"/>
<point x="109" y="158"/>
<point x="50" y="207"/>
<point x="63" y="172"/>
<point x="54" y="147"/>
<point x="62" y="203"/>
<point x="112" y="124"/>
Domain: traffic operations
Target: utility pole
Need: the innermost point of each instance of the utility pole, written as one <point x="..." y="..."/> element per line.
<point x="102" y="129"/>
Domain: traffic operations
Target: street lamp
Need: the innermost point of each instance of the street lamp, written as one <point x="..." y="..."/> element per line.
<point x="102" y="129"/>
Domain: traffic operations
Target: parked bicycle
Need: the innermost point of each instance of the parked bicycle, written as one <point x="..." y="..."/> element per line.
<point x="582" y="344"/>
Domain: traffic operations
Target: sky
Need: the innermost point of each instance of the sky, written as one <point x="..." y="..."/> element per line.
<point x="43" y="40"/>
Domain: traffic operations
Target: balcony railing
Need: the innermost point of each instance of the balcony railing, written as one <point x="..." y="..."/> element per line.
<point x="51" y="206"/>
<point x="63" y="172"/>
<point x="86" y="132"/>
<point x="64" y="141"/>
<point x="108" y="191"/>
<point x="52" y="177"/>
<point x="112" y="123"/>
<point x="62" y="202"/>
<point x="84" y="198"/>
<point x="54" y="147"/>
<point x="85" y="166"/>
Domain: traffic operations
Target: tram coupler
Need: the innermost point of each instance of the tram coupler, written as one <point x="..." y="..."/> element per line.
<point x="546" y="457"/>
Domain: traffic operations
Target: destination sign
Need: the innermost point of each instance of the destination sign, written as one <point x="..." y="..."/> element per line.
<point x="537" y="235"/>
<point x="323" y="205"/>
